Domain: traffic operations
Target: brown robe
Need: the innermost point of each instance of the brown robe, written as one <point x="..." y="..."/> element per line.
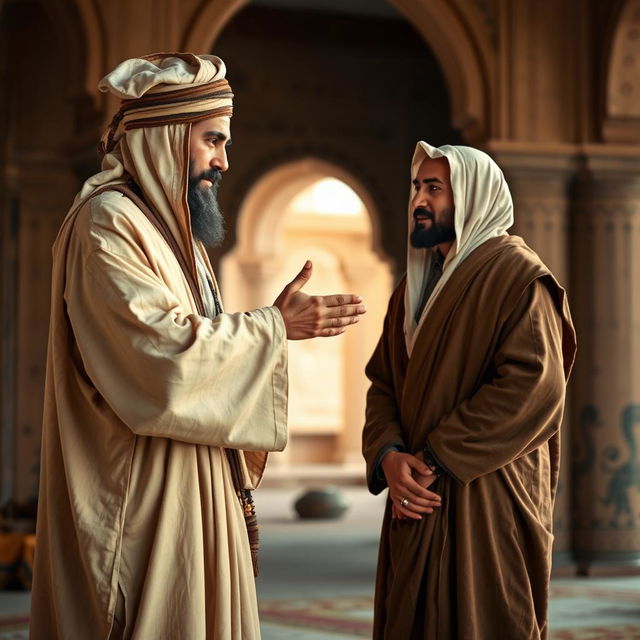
<point x="484" y="390"/>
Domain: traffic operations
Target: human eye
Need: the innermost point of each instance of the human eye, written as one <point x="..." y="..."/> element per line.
<point x="434" y="187"/>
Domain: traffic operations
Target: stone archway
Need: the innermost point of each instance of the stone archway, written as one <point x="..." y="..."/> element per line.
<point x="451" y="34"/>
<point x="621" y="121"/>
<point x="276" y="233"/>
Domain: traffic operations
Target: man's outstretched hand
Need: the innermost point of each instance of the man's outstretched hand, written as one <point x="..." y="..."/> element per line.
<point x="312" y="316"/>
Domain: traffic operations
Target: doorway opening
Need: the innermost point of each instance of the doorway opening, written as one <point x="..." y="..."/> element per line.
<point x="310" y="209"/>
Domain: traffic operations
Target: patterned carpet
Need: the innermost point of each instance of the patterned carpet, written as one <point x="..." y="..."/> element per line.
<point x="342" y="615"/>
<point x="579" y="610"/>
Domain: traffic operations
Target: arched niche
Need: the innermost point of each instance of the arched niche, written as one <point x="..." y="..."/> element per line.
<point x="262" y="207"/>
<point x="621" y="121"/>
<point x="275" y="235"/>
<point x="451" y="35"/>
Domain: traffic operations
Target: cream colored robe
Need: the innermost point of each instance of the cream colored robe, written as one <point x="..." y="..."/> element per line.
<point x="141" y="395"/>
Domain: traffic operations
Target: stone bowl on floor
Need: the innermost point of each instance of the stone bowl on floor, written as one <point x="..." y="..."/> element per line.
<point x="326" y="503"/>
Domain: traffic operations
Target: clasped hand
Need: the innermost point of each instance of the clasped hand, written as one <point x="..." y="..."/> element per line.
<point x="313" y="316"/>
<point x="408" y="478"/>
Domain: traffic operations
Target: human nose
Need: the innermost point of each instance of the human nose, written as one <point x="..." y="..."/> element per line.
<point x="420" y="198"/>
<point x="220" y="160"/>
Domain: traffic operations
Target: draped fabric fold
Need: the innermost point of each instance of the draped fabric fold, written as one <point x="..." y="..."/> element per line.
<point x="485" y="391"/>
<point x="478" y="379"/>
<point x="140" y="530"/>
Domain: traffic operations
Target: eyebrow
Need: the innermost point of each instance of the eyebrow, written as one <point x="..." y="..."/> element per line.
<point x="217" y="134"/>
<point x="427" y="181"/>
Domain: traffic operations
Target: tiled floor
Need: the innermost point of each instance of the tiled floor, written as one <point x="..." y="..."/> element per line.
<point x="323" y="560"/>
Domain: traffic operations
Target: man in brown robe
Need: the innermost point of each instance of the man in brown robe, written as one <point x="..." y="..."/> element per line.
<point x="463" y="414"/>
<point x="159" y="407"/>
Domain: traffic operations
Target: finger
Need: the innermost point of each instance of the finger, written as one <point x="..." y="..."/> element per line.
<point x="433" y="496"/>
<point x="339" y="322"/>
<point x="408" y="506"/>
<point x="406" y="512"/>
<point x="419" y="466"/>
<point x="414" y="503"/>
<point x="338" y="300"/>
<point x="410" y="486"/>
<point x="419" y="502"/>
<point x="345" y="311"/>
<point x="424" y="481"/>
<point x="395" y="515"/>
<point x="329" y="332"/>
<point x="301" y="279"/>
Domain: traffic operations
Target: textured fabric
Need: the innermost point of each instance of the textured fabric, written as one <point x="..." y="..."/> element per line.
<point x="163" y="88"/>
<point x="159" y="72"/>
<point x="142" y="396"/>
<point x="429" y="283"/>
<point x="484" y="390"/>
<point x="483" y="210"/>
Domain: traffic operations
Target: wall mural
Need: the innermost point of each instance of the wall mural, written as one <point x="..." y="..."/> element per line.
<point x="625" y="477"/>
<point x="610" y="504"/>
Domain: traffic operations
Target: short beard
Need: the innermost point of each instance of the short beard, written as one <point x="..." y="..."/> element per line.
<point x="436" y="234"/>
<point x="207" y="222"/>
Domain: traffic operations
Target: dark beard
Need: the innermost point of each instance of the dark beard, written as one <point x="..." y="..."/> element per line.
<point x="207" y="222"/>
<point x="436" y="234"/>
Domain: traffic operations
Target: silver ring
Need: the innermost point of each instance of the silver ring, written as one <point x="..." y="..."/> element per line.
<point x="404" y="502"/>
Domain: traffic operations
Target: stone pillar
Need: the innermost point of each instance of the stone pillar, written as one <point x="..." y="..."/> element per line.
<point x="606" y="286"/>
<point x="46" y="190"/>
<point x="539" y="181"/>
<point x="8" y="299"/>
<point x="371" y="279"/>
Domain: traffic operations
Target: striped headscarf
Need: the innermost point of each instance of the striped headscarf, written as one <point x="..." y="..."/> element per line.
<point x="161" y="95"/>
<point x="165" y="88"/>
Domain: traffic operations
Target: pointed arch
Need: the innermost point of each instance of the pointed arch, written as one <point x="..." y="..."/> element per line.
<point x="273" y="240"/>
<point x="260" y="211"/>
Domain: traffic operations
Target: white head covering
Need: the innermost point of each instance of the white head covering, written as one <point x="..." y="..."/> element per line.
<point x="161" y="72"/>
<point x="483" y="210"/>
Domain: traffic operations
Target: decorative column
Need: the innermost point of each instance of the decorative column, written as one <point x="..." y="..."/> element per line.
<point x="606" y="286"/>
<point x="538" y="179"/>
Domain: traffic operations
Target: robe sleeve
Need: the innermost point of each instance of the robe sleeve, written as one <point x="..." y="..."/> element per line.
<point x="382" y="430"/>
<point x="164" y="370"/>
<point x="520" y="407"/>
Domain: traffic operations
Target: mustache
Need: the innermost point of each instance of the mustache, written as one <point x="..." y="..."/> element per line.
<point x="421" y="211"/>
<point x="213" y="175"/>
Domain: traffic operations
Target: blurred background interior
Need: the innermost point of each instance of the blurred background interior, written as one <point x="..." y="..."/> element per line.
<point x="330" y="99"/>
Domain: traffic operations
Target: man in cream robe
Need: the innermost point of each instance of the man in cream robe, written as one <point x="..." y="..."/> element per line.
<point x="158" y="405"/>
<point x="466" y="400"/>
